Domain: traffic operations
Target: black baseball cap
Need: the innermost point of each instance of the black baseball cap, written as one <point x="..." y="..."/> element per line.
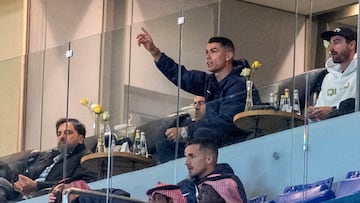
<point x="342" y="31"/>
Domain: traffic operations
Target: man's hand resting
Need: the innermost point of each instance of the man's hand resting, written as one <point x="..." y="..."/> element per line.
<point x="319" y="113"/>
<point x="25" y="185"/>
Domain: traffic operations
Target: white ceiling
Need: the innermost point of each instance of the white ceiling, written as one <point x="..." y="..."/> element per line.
<point x="304" y="6"/>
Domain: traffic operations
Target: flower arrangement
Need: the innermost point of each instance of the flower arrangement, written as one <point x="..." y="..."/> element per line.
<point x="99" y="117"/>
<point x="247" y="71"/>
<point x="96" y="109"/>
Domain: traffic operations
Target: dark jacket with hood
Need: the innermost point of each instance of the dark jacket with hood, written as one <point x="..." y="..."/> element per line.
<point x="189" y="186"/>
<point x="224" y="98"/>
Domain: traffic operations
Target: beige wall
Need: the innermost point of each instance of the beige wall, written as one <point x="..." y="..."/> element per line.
<point x="12" y="40"/>
<point x="12" y="29"/>
<point x="54" y="27"/>
<point x="258" y="32"/>
<point x="10" y="102"/>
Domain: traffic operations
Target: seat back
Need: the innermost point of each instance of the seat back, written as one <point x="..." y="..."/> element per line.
<point x="155" y="129"/>
<point x="311" y="195"/>
<point x="325" y="183"/>
<point x="258" y="199"/>
<point x="347" y="187"/>
<point x="353" y="174"/>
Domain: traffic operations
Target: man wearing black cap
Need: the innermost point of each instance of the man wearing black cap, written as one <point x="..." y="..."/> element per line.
<point x="340" y="83"/>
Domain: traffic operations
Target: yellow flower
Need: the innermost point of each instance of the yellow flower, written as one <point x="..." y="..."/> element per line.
<point x="84" y="101"/>
<point x="106" y="116"/>
<point x="245" y="72"/>
<point x="255" y="65"/>
<point x="96" y="108"/>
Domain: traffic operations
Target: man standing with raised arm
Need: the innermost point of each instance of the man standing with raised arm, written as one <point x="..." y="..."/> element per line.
<point x="224" y="90"/>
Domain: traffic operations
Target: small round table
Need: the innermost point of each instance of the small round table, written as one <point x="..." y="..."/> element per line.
<point x="122" y="162"/>
<point x="263" y="122"/>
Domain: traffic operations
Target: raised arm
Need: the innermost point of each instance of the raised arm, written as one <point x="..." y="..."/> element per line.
<point x="145" y="39"/>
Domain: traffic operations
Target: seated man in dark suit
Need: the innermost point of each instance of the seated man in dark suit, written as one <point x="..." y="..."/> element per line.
<point x="46" y="170"/>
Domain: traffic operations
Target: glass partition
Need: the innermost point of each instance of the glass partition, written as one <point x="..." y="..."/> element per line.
<point x="320" y="55"/>
<point x="275" y="38"/>
<point x="150" y="89"/>
<point x="53" y="75"/>
<point x="109" y="68"/>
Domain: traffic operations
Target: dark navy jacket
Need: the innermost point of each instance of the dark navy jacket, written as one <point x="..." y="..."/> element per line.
<point x="223" y="99"/>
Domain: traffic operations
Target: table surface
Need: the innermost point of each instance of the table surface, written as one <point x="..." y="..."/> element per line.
<point x="263" y="122"/>
<point x="122" y="162"/>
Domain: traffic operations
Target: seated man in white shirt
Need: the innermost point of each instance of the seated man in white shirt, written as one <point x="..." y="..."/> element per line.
<point x="339" y="84"/>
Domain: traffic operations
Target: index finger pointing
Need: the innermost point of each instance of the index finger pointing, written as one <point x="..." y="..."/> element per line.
<point x="145" y="31"/>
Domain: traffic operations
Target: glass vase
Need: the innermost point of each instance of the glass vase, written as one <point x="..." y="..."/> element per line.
<point x="249" y="100"/>
<point x="100" y="135"/>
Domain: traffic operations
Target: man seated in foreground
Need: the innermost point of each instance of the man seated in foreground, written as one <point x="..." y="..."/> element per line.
<point x="47" y="169"/>
<point x="201" y="160"/>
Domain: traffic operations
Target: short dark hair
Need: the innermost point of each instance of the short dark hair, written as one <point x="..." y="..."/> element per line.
<point x="348" y="42"/>
<point x="78" y="126"/>
<point x="205" y="143"/>
<point x="225" y="42"/>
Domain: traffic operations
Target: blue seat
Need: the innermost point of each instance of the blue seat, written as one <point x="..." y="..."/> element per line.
<point x="347" y="187"/>
<point x="258" y="199"/>
<point x="308" y="193"/>
<point x="325" y="182"/>
<point x="311" y="195"/>
<point x="353" y="174"/>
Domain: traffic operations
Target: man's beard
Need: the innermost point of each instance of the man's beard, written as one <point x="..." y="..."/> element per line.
<point x="66" y="148"/>
<point x="341" y="56"/>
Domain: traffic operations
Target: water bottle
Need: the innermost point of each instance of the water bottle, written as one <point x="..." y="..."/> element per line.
<point x="276" y="101"/>
<point x="282" y="106"/>
<point x="136" y="145"/>
<point x="143" y="145"/>
<point x="287" y="102"/>
<point x="296" y="105"/>
<point x="271" y="99"/>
